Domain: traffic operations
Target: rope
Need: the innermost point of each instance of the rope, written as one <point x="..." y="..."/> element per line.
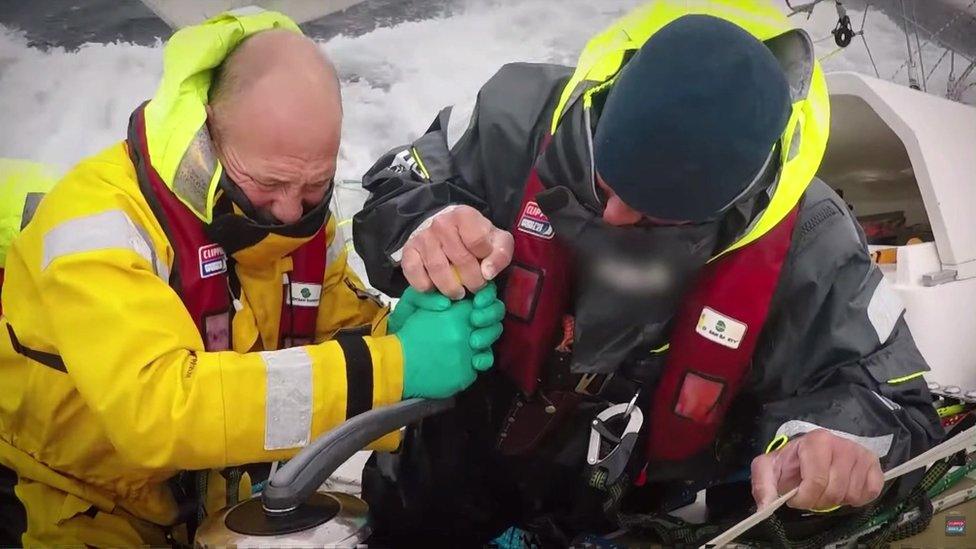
<point x="233" y="485"/>
<point x="871" y="57"/>
<point x="912" y="78"/>
<point x="201" y="493"/>
<point x="950" y="479"/>
<point x="864" y="19"/>
<point x="918" y="44"/>
<point x="672" y="531"/>
<point x="937" y="63"/>
<point x="775" y="525"/>
<point x="917" y="498"/>
<point x="831" y="54"/>
<point x="884" y="536"/>
<point x="910" y="62"/>
<point x="965" y="74"/>
<point x="946" y="482"/>
<point x="808" y="8"/>
<point x="955" y="87"/>
<point x="860" y="32"/>
<point x="933" y="36"/>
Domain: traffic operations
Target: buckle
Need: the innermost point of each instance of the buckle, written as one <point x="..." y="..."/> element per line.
<point x="585" y="380"/>
<point x="606" y="468"/>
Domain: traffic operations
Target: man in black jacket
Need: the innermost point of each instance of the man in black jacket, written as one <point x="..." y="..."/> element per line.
<point x="688" y="307"/>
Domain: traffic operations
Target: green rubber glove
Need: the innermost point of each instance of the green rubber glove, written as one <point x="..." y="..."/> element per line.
<point x="486" y="318"/>
<point x="437" y="353"/>
<point x="413" y="301"/>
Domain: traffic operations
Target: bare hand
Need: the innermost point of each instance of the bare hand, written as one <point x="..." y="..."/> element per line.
<point x="830" y="471"/>
<point x="460" y="249"/>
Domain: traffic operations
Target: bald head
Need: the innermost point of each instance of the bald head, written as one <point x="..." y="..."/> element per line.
<point x="268" y="51"/>
<point x="275" y="114"/>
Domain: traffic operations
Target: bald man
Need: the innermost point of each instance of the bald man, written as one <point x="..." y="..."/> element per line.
<point x="179" y="307"/>
<point x="296" y="137"/>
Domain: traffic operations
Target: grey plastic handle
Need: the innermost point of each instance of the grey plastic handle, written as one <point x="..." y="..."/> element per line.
<point x="298" y="479"/>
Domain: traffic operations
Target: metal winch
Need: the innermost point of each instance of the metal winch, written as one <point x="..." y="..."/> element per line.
<point x="291" y="512"/>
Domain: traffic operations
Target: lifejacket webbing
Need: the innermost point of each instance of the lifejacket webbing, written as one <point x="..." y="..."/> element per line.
<point x="713" y="338"/>
<point x="200" y="268"/>
<point x="537" y="291"/>
<point x="713" y="334"/>
<point x="50" y="360"/>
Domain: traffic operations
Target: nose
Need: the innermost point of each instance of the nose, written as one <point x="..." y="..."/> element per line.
<point x="287" y="212"/>
<point x="287" y="207"/>
<point x="618" y="213"/>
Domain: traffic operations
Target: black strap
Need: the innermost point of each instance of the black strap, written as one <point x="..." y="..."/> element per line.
<point x="48" y="359"/>
<point x="359" y="375"/>
<point x="14" y="522"/>
<point x="31" y="203"/>
<point x="143" y="167"/>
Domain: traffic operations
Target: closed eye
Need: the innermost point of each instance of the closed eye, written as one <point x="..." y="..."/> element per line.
<point x="322" y="184"/>
<point x="267" y="185"/>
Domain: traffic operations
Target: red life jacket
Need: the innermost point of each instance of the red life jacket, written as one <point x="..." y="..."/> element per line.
<point x="201" y="268"/>
<point x="713" y="336"/>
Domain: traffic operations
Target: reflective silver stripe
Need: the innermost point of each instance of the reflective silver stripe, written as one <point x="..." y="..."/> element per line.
<point x="288" y="403"/>
<point x="795" y="141"/>
<point x="795" y="52"/>
<point x="880" y="445"/>
<point x="884" y="310"/>
<point x="335" y="249"/>
<point x="890" y="404"/>
<point x="104" y="231"/>
<point x="159" y="265"/>
<point x="592" y="156"/>
<point x="196" y="169"/>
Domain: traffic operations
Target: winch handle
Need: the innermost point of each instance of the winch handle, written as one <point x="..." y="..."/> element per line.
<point x="302" y="475"/>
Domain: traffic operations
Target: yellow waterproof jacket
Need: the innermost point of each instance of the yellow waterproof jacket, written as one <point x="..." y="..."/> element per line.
<point x="137" y="397"/>
<point x="140" y="399"/>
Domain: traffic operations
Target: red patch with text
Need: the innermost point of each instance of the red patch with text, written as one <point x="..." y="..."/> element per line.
<point x="534" y="222"/>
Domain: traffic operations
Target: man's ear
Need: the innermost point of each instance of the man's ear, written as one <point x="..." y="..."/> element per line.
<point x="210" y="120"/>
<point x="213" y="128"/>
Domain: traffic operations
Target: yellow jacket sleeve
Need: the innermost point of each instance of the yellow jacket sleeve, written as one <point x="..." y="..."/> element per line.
<point x="348" y="310"/>
<point x="346" y="304"/>
<point x="137" y="359"/>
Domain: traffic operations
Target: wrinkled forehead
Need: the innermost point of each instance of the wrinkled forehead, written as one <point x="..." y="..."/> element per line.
<point x="275" y="118"/>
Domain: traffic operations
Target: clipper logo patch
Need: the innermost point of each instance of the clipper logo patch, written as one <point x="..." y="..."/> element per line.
<point x="955" y="526"/>
<point x="535" y="223"/>
<point x="213" y="260"/>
